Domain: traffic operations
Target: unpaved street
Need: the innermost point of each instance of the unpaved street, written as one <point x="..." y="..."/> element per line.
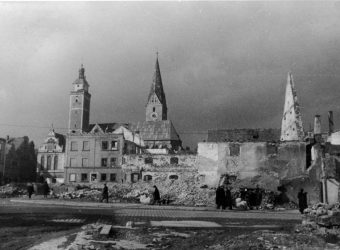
<point x="25" y="225"/>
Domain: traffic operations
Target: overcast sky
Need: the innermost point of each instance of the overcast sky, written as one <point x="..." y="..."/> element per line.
<point x="223" y="64"/>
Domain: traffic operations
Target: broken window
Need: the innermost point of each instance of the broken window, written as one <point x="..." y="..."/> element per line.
<point x="114" y="145"/>
<point x="134" y="177"/>
<point x="84" y="177"/>
<point x="42" y="162"/>
<point x="93" y="177"/>
<point x="173" y="160"/>
<point x="148" y="160"/>
<point x="55" y="162"/>
<point x="173" y="177"/>
<point x="113" y="162"/>
<point x="308" y="155"/>
<point x="147" y="177"/>
<point x="113" y="177"/>
<point x="234" y="149"/>
<point x="104" y="162"/>
<point x="104" y="145"/>
<point x="103" y="177"/>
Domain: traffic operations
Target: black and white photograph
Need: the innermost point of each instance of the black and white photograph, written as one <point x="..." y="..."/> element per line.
<point x="169" y="125"/>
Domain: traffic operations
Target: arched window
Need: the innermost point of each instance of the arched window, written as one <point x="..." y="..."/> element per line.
<point x="49" y="162"/>
<point x="42" y="163"/>
<point x="173" y="177"/>
<point x="55" y="162"/>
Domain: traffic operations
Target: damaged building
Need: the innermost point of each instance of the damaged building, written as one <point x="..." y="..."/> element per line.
<point x="287" y="160"/>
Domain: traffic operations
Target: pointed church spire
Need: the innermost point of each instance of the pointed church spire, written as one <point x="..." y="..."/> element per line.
<point x="291" y="126"/>
<point x="157" y="84"/>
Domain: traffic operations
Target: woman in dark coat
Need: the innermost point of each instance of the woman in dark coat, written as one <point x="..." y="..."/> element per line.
<point x="228" y="199"/>
<point x="156" y="196"/>
<point x="30" y="190"/>
<point x="220" y="198"/>
<point x="46" y="189"/>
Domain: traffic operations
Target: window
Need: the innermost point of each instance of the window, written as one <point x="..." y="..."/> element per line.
<point x="153" y="109"/>
<point x="173" y="177"/>
<point x="85" y="162"/>
<point x="147" y="177"/>
<point x="72" y="177"/>
<point x="234" y="149"/>
<point x="55" y="162"/>
<point x="114" y="145"/>
<point x="123" y="160"/>
<point x="148" y="160"/>
<point x="113" y="162"/>
<point x="103" y="177"/>
<point x="173" y="160"/>
<point x="74" y="146"/>
<point x="104" y="162"/>
<point x="42" y="162"/>
<point x="49" y="162"/>
<point x="134" y="177"/>
<point x="93" y="177"/>
<point x="104" y="145"/>
<point x="113" y="177"/>
<point x="73" y="162"/>
<point x="84" y="177"/>
<point x="86" y="146"/>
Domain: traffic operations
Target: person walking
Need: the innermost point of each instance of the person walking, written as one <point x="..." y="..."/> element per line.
<point x="46" y="189"/>
<point x="156" y="196"/>
<point x="30" y="190"/>
<point x="220" y="198"/>
<point x="302" y="197"/>
<point x="105" y="194"/>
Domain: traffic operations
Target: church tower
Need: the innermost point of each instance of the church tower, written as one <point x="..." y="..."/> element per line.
<point x="156" y="109"/>
<point x="291" y="127"/>
<point x="79" y="104"/>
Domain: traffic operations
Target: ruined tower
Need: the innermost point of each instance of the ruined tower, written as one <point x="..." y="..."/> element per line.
<point x="156" y="109"/>
<point x="291" y="127"/>
<point x="79" y="104"/>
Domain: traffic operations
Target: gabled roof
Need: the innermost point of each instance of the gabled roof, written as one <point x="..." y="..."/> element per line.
<point x="106" y="127"/>
<point x="130" y="136"/>
<point x="155" y="130"/>
<point x="157" y="85"/>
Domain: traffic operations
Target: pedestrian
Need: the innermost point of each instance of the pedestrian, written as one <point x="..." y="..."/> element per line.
<point x="30" y="190"/>
<point x="46" y="189"/>
<point x="228" y="198"/>
<point x="302" y="197"/>
<point x="156" y="196"/>
<point x="105" y="194"/>
<point x="220" y="198"/>
<point x="258" y="193"/>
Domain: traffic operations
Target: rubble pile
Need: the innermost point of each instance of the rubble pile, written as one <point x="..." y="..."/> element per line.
<point x="323" y="215"/>
<point x="12" y="190"/>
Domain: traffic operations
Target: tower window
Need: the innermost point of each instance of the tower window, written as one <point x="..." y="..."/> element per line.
<point x="153" y="109"/>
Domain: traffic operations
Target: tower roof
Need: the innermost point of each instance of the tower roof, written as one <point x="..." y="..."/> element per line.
<point x="82" y="78"/>
<point x="157" y="85"/>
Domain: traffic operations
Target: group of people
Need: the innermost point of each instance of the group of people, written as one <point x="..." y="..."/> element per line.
<point x="30" y="189"/>
<point x="156" y="195"/>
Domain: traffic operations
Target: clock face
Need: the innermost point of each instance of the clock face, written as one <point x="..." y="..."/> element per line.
<point x="154" y="116"/>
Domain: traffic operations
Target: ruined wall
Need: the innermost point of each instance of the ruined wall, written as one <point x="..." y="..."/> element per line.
<point x="150" y="167"/>
<point x="257" y="162"/>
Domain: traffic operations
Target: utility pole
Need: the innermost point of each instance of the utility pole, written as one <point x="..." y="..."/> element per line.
<point x="3" y="170"/>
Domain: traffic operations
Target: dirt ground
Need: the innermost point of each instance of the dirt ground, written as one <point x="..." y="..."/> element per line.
<point x="146" y="237"/>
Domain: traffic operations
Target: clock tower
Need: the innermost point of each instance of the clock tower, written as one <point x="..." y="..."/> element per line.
<point x="79" y="104"/>
<point x="156" y="109"/>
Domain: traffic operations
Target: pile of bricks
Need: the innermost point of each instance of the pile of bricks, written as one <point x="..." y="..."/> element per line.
<point x="323" y="215"/>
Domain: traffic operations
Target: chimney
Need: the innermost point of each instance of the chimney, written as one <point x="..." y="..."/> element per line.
<point x="317" y="125"/>
<point x="330" y="122"/>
